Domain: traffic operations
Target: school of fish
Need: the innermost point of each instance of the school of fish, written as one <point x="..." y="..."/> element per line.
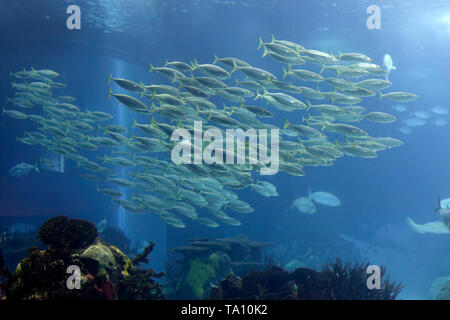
<point x="222" y="94"/>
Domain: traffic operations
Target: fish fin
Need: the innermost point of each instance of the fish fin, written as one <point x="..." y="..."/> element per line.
<point x="109" y="93"/>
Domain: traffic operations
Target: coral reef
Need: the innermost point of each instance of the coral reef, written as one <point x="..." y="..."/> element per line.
<point x="106" y="273"/>
<point x="206" y="262"/>
<point x="3" y="276"/>
<point x="444" y="292"/>
<point x="313" y="254"/>
<point x="142" y="257"/>
<point x="334" y="282"/>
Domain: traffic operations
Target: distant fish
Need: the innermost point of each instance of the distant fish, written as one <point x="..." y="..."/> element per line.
<point x="439" y="110"/>
<point x="101" y="226"/>
<point x="388" y="65"/>
<point x="324" y="198"/>
<point x="422" y="114"/>
<point x="405" y="130"/>
<point x="399" y="108"/>
<point x="440" y="122"/>
<point x="22" y="169"/>
<point x="415" y="122"/>
<point x="21" y="230"/>
<point x="304" y="205"/>
<point x="436" y="227"/>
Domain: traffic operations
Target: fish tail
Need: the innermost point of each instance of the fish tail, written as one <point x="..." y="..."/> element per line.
<point x="322" y="69"/>
<point x="265" y="52"/>
<point x="285" y="72"/>
<point x="166" y="63"/>
<point x="261" y="43"/>
<point x="109" y="93"/>
<point x="379" y="92"/>
<point x="273" y="38"/>
<point x="258" y="95"/>
<point x="194" y="64"/>
<point x="151" y="68"/>
<point x="234" y="67"/>
<point x="336" y="142"/>
<point x="36" y="167"/>
<point x="308" y="105"/>
<point x="285" y="124"/>
<point x="110" y="78"/>
<point x="215" y="59"/>
<point x="134" y="123"/>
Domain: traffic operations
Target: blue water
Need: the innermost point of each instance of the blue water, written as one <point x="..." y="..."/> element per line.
<point x="123" y="37"/>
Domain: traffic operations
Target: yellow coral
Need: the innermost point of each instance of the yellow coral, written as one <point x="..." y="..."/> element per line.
<point x="128" y="264"/>
<point x="103" y="255"/>
<point x="201" y="273"/>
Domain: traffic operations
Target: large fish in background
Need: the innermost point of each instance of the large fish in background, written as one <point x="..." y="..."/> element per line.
<point x="388" y="65"/>
<point x="437" y="227"/>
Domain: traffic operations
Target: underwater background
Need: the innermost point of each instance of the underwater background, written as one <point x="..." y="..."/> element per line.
<point x="122" y="38"/>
